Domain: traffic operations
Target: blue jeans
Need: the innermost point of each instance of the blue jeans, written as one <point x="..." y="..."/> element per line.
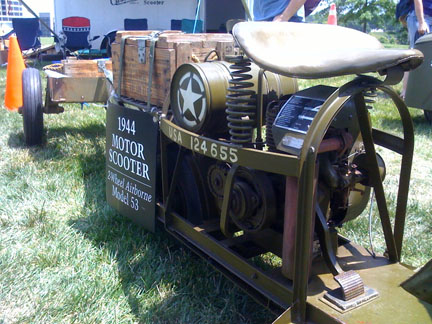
<point x="412" y="25"/>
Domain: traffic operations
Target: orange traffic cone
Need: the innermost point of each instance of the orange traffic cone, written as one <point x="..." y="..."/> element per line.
<point x="332" y="17"/>
<point x="13" y="94"/>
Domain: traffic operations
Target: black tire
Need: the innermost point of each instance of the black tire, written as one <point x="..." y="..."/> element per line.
<point x="189" y="194"/>
<point x="51" y="57"/>
<point x="32" y="110"/>
<point x="428" y="116"/>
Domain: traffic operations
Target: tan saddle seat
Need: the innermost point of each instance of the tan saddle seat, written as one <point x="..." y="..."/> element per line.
<point x="318" y="51"/>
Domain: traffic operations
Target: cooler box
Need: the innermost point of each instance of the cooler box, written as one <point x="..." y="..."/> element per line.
<point x="419" y="88"/>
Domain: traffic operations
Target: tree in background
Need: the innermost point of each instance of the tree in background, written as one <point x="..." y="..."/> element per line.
<point x="365" y="15"/>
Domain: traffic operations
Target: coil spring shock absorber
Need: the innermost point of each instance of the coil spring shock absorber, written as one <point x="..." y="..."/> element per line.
<point x="370" y="97"/>
<point x="241" y="101"/>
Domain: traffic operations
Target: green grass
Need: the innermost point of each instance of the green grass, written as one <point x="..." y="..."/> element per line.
<point x="418" y="230"/>
<point x="47" y="40"/>
<point x="66" y="257"/>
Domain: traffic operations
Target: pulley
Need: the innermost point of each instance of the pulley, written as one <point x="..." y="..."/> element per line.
<point x="253" y="201"/>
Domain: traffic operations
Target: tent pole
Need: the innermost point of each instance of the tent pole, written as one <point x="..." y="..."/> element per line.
<point x="247" y="11"/>
<point x="41" y="21"/>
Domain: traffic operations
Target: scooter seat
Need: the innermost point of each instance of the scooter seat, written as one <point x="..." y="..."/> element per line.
<point x="318" y="51"/>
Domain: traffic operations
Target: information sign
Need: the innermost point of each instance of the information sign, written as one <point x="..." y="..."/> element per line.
<point x="131" y="143"/>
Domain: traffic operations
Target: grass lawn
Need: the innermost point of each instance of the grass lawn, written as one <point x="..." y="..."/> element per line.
<point x="47" y="40"/>
<point x="66" y="257"/>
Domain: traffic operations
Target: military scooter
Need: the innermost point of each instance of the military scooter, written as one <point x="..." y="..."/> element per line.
<point x="232" y="190"/>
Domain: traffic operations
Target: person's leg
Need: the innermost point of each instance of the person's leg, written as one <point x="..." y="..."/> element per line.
<point x="412" y="28"/>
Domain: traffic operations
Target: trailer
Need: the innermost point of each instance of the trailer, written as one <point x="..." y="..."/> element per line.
<point x="72" y="81"/>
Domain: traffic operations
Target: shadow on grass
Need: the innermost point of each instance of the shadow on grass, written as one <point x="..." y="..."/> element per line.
<point x="53" y="149"/>
<point x="163" y="282"/>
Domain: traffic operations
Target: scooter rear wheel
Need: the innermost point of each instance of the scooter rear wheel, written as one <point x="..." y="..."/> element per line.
<point x="189" y="194"/>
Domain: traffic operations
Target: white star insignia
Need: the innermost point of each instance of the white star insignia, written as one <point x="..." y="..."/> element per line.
<point x="189" y="98"/>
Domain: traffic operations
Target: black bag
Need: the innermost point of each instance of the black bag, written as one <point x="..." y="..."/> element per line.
<point x="403" y="8"/>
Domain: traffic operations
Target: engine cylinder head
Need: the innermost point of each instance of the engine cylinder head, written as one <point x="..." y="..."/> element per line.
<point x="272" y="110"/>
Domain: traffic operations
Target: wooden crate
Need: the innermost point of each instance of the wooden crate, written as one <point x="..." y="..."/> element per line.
<point x="83" y="68"/>
<point x="172" y="49"/>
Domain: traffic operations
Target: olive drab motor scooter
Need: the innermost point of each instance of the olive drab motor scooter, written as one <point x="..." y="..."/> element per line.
<point x="244" y="167"/>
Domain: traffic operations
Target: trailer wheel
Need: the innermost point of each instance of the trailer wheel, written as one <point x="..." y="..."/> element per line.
<point x="32" y="109"/>
<point x="428" y="116"/>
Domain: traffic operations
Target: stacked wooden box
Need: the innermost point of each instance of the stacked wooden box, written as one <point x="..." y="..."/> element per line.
<point x="83" y="68"/>
<point x="172" y="49"/>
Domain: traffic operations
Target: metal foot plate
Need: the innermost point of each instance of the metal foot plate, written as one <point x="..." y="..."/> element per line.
<point x="335" y="299"/>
